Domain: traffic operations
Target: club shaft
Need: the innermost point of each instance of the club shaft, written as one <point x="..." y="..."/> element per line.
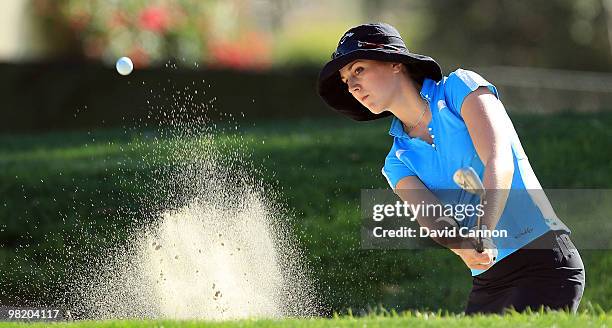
<point x="479" y="245"/>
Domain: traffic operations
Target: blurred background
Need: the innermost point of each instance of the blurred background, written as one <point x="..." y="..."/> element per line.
<point x="258" y="60"/>
<point x="546" y="56"/>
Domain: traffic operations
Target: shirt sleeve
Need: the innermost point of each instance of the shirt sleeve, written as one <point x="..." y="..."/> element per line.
<point x="394" y="169"/>
<point x="459" y="84"/>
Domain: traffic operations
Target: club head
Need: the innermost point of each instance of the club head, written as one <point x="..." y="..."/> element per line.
<point x="468" y="180"/>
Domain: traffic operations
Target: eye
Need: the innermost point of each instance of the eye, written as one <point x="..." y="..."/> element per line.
<point x="358" y="70"/>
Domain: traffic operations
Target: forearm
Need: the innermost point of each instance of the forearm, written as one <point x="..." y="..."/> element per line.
<point x="488" y="123"/>
<point x="441" y="224"/>
<point x="415" y="193"/>
<point x="497" y="182"/>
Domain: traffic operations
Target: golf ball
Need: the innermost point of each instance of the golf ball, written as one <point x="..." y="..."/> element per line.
<point x="124" y="66"/>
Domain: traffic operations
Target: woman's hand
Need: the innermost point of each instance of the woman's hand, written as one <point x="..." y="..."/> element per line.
<point x="475" y="260"/>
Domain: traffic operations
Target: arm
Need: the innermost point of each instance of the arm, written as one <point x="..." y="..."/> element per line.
<point x="484" y="116"/>
<point x="412" y="190"/>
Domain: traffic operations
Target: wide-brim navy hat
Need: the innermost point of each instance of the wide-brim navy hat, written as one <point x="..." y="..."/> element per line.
<point x="378" y="41"/>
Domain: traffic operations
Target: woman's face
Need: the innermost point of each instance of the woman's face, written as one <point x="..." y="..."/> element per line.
<point x="372" y="83"/>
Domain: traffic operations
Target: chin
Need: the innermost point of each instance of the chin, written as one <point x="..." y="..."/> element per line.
<point x="374" y="110"/>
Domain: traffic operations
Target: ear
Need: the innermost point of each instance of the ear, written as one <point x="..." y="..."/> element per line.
<point x="397" y="67"/>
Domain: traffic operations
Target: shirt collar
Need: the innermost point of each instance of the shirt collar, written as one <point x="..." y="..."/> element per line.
<point x="397" y="128"/>
<point x="428" y="88"/>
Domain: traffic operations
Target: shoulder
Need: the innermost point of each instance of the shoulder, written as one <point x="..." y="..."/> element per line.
<point x="395" y="168"/>
<point x="460" y="83"/>
<point x="462" y="78"/>
<point x="394" y="152"/>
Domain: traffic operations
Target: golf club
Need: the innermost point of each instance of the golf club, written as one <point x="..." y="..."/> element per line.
<point x="468" y="180"/>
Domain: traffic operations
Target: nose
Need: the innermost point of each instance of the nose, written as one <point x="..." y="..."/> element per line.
<point x="353" y="86"/>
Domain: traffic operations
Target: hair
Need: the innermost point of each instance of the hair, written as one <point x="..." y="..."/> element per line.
<point x="416" y="74"/>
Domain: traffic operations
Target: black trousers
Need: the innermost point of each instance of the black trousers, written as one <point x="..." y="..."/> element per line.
<point x="548" y="272"/>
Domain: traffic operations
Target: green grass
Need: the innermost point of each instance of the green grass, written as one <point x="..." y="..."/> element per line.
<point x="60" y="184"/>
<point x="408" y="319"/>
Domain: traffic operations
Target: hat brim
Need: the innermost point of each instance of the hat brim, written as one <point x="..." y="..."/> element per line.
<point x="335" y="92"/>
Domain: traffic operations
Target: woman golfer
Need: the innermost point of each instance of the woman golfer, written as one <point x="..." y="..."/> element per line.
<point x="439" y="125"/>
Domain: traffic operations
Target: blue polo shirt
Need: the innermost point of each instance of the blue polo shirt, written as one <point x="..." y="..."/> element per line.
<point x="528" y="213"/>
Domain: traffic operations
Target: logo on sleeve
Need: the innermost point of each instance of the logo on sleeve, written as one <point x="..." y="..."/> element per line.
<point x="441" y="105"/>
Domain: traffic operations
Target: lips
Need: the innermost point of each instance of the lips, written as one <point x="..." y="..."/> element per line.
<point x="364" y="98"/>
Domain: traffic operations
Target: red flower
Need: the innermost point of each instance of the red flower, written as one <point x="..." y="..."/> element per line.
<point x="154" y="19"/>
<point x="250" y="51"/>
<point x="139" y="57"/>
